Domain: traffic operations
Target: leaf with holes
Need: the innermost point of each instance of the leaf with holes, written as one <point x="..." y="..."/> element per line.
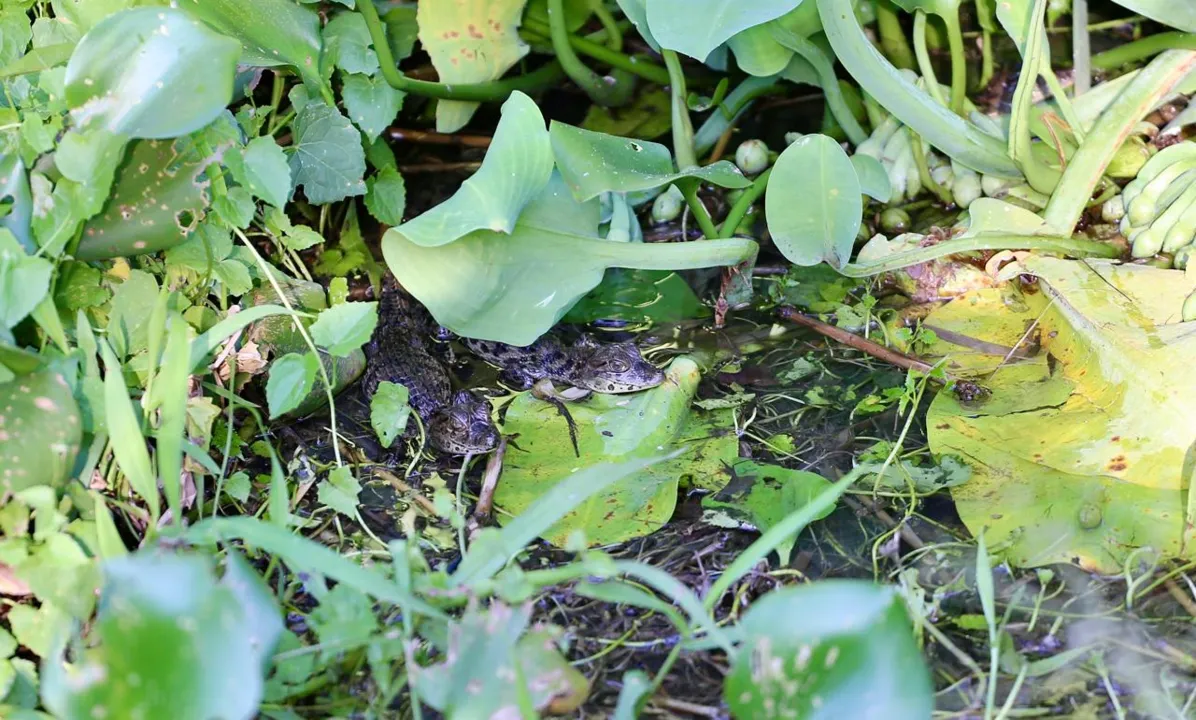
<point x="328" y="160"/>
<point x="40" y="432"/>
<point x="134" y="74"/>
<point x="469" y="41"/>
<point x="158" y="198"/>
<point x="813" y="202"/>
<point x="169" y="640"/>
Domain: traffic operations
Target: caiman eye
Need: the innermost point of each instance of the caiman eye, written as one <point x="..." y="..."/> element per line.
<point x="614" y="365"/>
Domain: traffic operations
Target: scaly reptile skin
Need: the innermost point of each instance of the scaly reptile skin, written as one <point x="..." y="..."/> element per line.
<point x="609" y="369"/>
<point x="399" y="353"/>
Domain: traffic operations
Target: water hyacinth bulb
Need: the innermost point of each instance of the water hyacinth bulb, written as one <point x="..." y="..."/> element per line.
<point x="752" y="156"/>
<point x="667" y="205"/>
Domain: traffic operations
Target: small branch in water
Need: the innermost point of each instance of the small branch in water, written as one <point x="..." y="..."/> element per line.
<point x="440" y="167"/>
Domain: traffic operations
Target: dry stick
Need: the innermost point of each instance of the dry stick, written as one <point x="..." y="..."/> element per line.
<point x="485" y="503"/>
<point x="851" y="340"/>
<point x="439" y="167"/>
<point x="1181" y="597"/>
<point x="428" y="137"/>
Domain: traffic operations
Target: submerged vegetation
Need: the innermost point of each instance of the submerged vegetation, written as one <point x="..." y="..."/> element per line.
<point x="597" y="358"/>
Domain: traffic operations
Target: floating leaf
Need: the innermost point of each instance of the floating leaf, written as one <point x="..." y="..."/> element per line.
<point x="469" y="41"/>
<point x="827" y="650"/>
<point x="389" y="411"/>
<point x="1095" y="430"/>
<point x="593" y="163"/>
<point x="134" y="74"/>
<point x="823" y="225"/>
<point x="40" y="431"/>
<point x="328" y="160"/>
<point x="170" y="640"/>
<point x="291" y="379"/>
<point x="697" y="27"/>
<point x="610" y="428"/>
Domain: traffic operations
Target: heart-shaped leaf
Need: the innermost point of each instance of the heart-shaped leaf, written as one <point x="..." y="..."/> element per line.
<point x="697" y="27"/>
<point x="136" y="74"/>
<point x="827" y="650"/>
<point x="516" y="169"/>
<point x="469" y="41"/>
<point x="593" y="163"/>
<point x="328" y="160"/>
<point x="813" y="202"/>
<point x="514" y="288"/>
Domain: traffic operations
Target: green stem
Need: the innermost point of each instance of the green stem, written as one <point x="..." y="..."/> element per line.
<point x="604" y="91"/>
<point x="683" y="129"/>
<point x="1088" y="164"/>
<point x="1144" y="48"/>
<point x="614" y="35"/>
<point x="959" y="64"/>
<point x="737" y="212"/>
<point x="617" y="60"/>
<point x="826" y="76"/>
<point x="673" y="256"/>
<point x="689" y="190"/>
<point x="1081" y="50"/>
<point x="892" y="36"/>
<point x="543" y="77"/>
<point x="1041" y="243"/>
<point x="923" y="55"/>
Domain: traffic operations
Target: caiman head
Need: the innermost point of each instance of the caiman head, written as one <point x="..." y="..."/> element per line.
<point x="618" y="368"/>
<point x="463" y="427"/>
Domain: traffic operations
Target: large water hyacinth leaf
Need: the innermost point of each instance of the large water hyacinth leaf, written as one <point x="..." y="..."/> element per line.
<point x="1082" y="451"/>
<point x="515" y="170"/>
<point x="271" y="32"/>
<point x="813" y="203"/>
<point x="697" y="27"/>
<point x="593" y="163"/>
<point x="612" y="429"/>
<point x="173" y="641"/>
<point x="469" y="41"/>
<point x="159" y="197"/>
<point x="514" y="288"/>
<point x="136" y="74"/>
<point x="829" y="650"/>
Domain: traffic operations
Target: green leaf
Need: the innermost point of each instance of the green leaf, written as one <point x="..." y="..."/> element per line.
<point x="167" y="633"/>
<point x="79" y="287"/>
<point x="128" y="320"/>
<point x="328" y="160"/>
<point x="235" y="207"/>
<point x="824" y="226"/>
<point x="291" y="379"/>
<point x="386" y="196"/>
<point x="15" y="34"/>
<point x="128" y="444"/>
<point x="40" y="436"/>
<point x="339" y="491"/>
<point x="612" y="428"/>
<point x="238" y="486"/>
<point x="514" y="288"/>
<point x="24" y="281"/>
<point x="874" y="181"/>
<point x="347" y="44"/>
<point x="344" y="619"/>
<point x="371" y="103"/>
<point x="770" y="495"/>
<point x="647" y="117"/>
<point x="593" y="163"/>
<point x="639" y="296"/>
<point x="1181" y="16"/>
<point x="134" y="74"/>
<point x="264" y="171"/>
<point x="271" y="32"/>
<point x="469" y="41"/>
<point x="389" y="412"/>
<point x="86" y="14"/>
<point x="831" y="649"/>
<point x="516" y="169"/>
<point x="696" y="27"/>
<point x="343" y="328"/>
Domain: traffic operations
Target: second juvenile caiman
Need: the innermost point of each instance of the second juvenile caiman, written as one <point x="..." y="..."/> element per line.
<point x="399" y="352"/>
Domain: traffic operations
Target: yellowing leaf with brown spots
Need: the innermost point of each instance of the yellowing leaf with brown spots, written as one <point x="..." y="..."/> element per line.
<point x="469" y="41"/>
<point x="1084" y="449"/>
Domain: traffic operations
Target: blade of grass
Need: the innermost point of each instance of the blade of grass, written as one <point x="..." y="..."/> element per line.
<point x="984" y="587"/>
<point x="128" y="442"/>
<point x="208" y="342"/>
<point x="171" y="392"/>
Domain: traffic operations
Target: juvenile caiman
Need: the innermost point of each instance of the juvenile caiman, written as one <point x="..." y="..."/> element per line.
<point x="399" y="352"/>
